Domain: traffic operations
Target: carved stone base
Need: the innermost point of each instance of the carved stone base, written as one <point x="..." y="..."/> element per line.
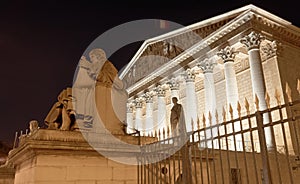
<point x="56" y="156"/>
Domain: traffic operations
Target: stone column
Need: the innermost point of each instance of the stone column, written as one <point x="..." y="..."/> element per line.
<point x="138" y="113"/>
<point x="252" y="42"/>
<point x="161" y="107"/>
<point x="129" y="117"/>
<point x="191" y="100"/>
<point x="149" y="126"/>
<point x="228" y="54"/>
<point x="174" y="86"/>
<point x="207" y="66"/>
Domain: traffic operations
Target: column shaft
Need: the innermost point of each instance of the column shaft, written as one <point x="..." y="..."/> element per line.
<point x="210" y="93"/>
<point x="252" y="42"/>
<point x="191" y="107"/>
<point x="149" y="117"/>
<point x="138" y="118"/>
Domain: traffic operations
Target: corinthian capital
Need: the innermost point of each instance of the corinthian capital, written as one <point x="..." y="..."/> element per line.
<point x="189" y="75"/>
<point x="252" y="40"/>
<point x="161" y="90"/>
<point x="227" y="54"/>
<point x="139" y="102"/>
<point x="130" y="107"/>
<point x="207" y="65"/>
<point x="148" y="96"/>
<point x="173" y="84"/>
<point x="269" y="50"/>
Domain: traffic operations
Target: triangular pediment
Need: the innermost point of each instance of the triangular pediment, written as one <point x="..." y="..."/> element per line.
<point x="159" y="52"/>
<point x="167" y="46"/>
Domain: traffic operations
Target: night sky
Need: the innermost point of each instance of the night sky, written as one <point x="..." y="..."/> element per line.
<point x="41" y="43"/>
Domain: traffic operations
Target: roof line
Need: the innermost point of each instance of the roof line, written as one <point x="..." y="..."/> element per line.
<point x="181" y="31"/>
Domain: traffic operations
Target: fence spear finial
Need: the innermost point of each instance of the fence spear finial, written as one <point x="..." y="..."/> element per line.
<point x="217" y="117"/>
<point x="159" y="135"/>
<point x="298" y="86"/>
<point x="209" y="118"/>
<point x="277" y="96"/>
<point x="288" y="92"/>
<point x="231" y="111"/>
<point x="224" y="114"/>
<point x="203" y="120"/>
<point x="267" y="98"/>
<point x="198" y="123"/>
<point x="256" y="102"/>
<point x="192" y="124"/>
<point x="247" y="106"/>
<point x="238" y="108"/>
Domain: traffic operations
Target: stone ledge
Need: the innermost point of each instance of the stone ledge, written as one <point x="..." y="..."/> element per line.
<point x="45" y="141"/>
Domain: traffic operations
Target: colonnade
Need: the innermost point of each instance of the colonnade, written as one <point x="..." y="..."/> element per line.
<point x="207" y="65"/>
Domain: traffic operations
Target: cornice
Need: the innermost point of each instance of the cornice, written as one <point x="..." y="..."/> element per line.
<point x="269" y="26"/>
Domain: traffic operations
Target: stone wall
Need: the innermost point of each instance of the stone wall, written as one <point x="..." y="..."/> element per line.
<point x="7" y="175"/>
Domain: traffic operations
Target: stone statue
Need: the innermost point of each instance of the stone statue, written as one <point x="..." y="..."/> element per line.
<point x="33" y="126"/>
<point x="84" y="91"/>
<point x="62" y="114"/>
<point x="110" y="95"/>
<point x="177" y="117"/>
<point x="97" y="89"/>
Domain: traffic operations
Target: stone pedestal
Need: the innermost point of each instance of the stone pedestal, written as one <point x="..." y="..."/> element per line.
<point x="53" y="156"/>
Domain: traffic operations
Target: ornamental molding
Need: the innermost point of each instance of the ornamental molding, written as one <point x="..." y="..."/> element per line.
<point x="281" y="30"/>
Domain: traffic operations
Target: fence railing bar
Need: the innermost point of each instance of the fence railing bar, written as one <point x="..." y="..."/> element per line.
<point x="253" y="128"/>
<point x="174" y="168"/>
<point x="220" y="157"/>
<point x="244" y="154"/>
<point x="227" y="149"/>
<point x="213" y="153"/>
<point x="286" y="147"/>
<point x="200" y="156"/>
<point x="295" y="127"/>
<point x="275" y="147"/>
<point x="206" y="150"/>
<point x="267" y="178"/>
<point x="253" y="149"/>
<point x="235" y="146"/>
<point x="194" y="160"/>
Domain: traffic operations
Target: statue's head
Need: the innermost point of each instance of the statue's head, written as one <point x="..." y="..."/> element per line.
<point x="174" y="100"/>
<point x="97" y="55"/>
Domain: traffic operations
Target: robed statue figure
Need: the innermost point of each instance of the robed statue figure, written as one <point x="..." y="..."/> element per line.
<point x="177" y="118"/>
<point x="96" y="101"/>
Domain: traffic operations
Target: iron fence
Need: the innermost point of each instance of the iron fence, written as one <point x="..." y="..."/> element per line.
<point x="258" y="147"/>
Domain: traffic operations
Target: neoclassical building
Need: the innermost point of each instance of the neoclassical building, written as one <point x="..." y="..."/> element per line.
<point x="212" y="65"/>
<point x="237" y="73"/>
